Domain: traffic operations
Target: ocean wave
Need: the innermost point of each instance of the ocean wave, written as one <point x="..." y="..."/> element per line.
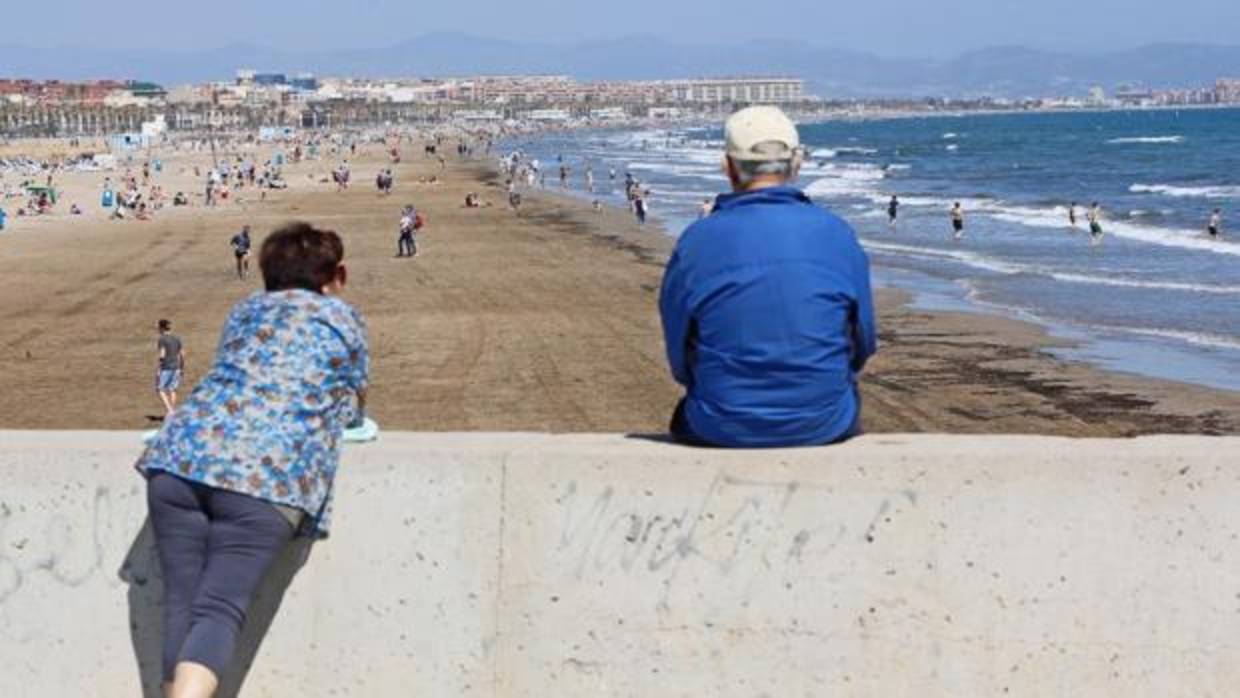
<point x="1201" y="339"/>
<point x="971" y="259"/>
<point x="1057" y="218"/>
<point x="980" y="261"/>
<point x="950" y="136"/>
<point x="1146" y="140"/>
<point x="847" y="179"/>
<point x="953" y="147"/>
<point x="1207" y="192"/>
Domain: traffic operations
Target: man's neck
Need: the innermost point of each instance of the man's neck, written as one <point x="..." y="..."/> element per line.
<point x="760" y="183"/>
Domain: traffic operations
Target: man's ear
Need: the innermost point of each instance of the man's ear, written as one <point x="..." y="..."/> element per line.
<point x="798" y="159"/>
<point x="729" y="170"/>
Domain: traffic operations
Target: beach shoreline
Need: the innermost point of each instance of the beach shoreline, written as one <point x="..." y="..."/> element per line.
<point x="544" y="321"/>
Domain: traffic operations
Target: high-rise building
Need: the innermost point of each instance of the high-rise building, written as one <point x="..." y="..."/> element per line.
<point x="1227" y="90"/>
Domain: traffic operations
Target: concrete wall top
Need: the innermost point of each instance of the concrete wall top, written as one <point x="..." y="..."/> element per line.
<point x="542" y="565"/>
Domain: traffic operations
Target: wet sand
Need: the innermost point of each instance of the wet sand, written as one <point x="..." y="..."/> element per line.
<point x="545" y="321"/>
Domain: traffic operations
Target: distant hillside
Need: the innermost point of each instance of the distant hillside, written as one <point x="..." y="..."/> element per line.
<point x="1012" y="71"/>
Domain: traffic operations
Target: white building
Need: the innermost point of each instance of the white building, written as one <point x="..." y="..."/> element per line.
<point x="732" y="90"/>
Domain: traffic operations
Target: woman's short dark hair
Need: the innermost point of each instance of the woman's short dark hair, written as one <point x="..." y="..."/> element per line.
<point x="298" y="255"/>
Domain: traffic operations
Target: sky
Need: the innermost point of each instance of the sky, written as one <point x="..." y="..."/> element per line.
<point x="905" y="28"/>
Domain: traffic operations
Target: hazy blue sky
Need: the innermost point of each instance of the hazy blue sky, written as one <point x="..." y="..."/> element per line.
<point x="889" y="27"/>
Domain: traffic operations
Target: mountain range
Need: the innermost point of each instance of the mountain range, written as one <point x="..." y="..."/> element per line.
<point x="1004" y="71"/>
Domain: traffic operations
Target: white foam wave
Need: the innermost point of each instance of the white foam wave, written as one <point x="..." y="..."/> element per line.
<point x="1201" y="339"/>
<point x="964" y="257"/>
<point x="950" y="136"/>
<point x="1146" y="140"/>
<point x="979" y="261"/>
<point x="952" y="147"/>
<point x="823" y="154"/>
<point x="1207" y="192"/>
<point x="847" y="179"/>
<point x="1166" y="237"/>
<point x="1134" y="283"/>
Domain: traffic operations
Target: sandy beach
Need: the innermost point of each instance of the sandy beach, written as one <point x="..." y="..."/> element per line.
<point x="545" y="321"/>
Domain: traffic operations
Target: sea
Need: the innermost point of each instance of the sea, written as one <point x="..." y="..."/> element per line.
<point x="1157" y="297"/>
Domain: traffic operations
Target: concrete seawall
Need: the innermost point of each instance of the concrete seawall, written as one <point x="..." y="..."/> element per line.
<point x="535" y="565"/>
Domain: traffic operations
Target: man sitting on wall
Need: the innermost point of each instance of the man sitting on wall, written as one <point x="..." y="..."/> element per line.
<point x="766" y="305"/>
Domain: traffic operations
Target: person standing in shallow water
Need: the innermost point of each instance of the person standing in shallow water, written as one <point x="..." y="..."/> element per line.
<point x="1094" y="216"/>
<point x="957" y="215"/>
<point x="249" y="460"/>
<point x="893" y="211"/>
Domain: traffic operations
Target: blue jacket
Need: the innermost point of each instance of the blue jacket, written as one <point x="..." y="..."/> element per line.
<point x="768" y="317"/>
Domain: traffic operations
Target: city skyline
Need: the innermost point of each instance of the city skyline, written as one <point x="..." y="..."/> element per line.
<point x="1001" y="71"/>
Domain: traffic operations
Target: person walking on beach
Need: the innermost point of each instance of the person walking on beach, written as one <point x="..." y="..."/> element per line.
<point x="1094" y="216"/>
<point x="957" y="221"/>
<point x="171" y="356"/>
<point x="766" y="305"/>
<point x="1214" y="228"/>
<point x="639" y="207"/>
<point x="406" y="245"/>
<point x="241" y="251"/>
<point x="249" y="464"/>
<point x="893" y="211"/>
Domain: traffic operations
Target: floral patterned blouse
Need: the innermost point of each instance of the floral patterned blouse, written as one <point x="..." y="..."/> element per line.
<point x="267" y="419"/>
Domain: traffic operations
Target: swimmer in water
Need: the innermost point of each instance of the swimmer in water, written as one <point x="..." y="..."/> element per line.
<point x="1215" y="227"/>
<point x="1095" y="223"/>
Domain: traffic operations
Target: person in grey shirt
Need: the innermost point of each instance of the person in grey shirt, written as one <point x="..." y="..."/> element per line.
<point x="171" y="365"/>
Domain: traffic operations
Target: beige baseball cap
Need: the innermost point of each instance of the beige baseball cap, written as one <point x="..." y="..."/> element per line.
<point x="761" y="134"/>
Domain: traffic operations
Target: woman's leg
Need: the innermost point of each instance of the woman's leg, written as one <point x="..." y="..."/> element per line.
<point x="181" y="530"/>
<point x="246" y="537"/>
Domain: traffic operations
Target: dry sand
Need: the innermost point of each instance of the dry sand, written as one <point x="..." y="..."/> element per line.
<point x="543" y="322"/>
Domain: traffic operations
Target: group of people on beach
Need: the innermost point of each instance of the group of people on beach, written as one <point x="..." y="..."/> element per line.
<point x="768" y="342"/>
<point x="1093" y="218"/>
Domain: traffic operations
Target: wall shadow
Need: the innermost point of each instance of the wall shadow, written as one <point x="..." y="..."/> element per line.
<point x="140" y="572"/>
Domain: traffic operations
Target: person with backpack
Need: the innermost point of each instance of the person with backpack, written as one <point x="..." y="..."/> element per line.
<point x="411" y="221"/>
